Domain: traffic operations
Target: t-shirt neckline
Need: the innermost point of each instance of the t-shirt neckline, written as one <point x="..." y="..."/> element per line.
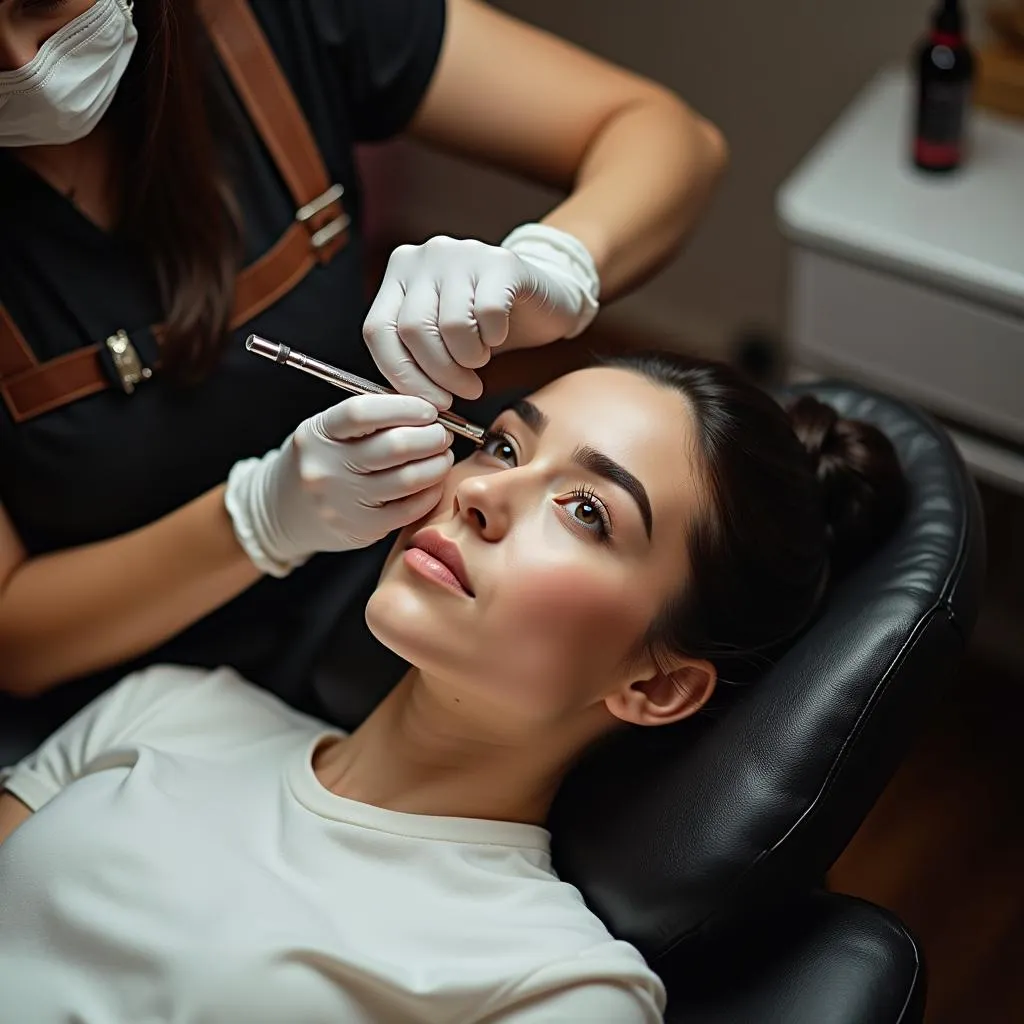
<point x="309" y="791"/>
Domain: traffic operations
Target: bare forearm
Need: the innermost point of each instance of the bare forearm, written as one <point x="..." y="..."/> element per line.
<point x="72" y="612"/>
<point x="640" y="162"/>
<point x="640" y="189"/>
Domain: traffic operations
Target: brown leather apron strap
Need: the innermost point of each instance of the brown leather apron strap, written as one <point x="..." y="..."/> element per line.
<point x="15" y="355"/>
<point x="261" y="85"/>
<point x="38" y="388"/>
<point x="30" y="389"/>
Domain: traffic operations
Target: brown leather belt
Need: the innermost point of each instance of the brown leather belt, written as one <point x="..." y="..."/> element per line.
<point x="30" y="388"/>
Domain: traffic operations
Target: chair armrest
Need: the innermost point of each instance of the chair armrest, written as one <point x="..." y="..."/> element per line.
<point x="823" y="959"/>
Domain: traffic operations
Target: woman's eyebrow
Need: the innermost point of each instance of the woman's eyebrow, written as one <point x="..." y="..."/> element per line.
<point x="606" y="467"/>
<point x="529" y="414"/>
<point x="593" y="461"/>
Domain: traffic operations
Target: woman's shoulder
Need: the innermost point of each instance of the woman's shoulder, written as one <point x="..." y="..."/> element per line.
<point x="183" y="703"/>
<point x="587" y="972"/>
<point x="550" y="903"/>
<point x="335" y="20"/>
<point x="582" y="971"/>
<point x="372" y="58"/>
<point x="571" y="964"/>
<point x="365" y="30"/>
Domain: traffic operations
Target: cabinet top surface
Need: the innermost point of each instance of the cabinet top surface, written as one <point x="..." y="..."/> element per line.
<point x="858" y="194"/>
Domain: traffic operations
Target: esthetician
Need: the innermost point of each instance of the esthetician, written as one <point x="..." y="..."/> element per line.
<point x="177" y="173"/>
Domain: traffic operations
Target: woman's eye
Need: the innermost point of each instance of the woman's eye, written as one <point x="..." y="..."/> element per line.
<point x="499" y="446"/>
<point x="588" y="511"/>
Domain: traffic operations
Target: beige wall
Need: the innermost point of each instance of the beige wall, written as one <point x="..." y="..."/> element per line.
<point x="771" y="75"/>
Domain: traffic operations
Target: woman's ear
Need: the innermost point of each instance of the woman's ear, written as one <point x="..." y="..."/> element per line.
<point x="669" y="693"/>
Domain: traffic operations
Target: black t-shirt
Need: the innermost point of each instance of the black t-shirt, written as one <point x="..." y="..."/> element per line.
<point x="110" y="463"/>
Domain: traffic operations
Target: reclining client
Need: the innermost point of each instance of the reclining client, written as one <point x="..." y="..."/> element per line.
<point x="190" y="848"/>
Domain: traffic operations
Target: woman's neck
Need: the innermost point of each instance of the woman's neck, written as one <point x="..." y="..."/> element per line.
<point x="415" y="754"/>
<point x="83" y="171"/>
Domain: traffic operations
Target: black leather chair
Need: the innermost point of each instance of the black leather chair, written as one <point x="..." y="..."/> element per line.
<point x="707" y="844"/>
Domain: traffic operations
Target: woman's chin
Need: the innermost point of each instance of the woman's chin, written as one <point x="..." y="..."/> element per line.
<point x="409" y="624"/>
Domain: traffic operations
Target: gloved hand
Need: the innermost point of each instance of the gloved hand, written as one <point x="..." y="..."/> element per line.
<point x="444" y="306"/>
<point x="345" y="478"/>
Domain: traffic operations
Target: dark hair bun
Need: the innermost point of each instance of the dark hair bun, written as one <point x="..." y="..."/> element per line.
<point x="863" y="489"/>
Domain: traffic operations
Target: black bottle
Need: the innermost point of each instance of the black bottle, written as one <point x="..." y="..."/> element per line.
<point x="945" y="72"/>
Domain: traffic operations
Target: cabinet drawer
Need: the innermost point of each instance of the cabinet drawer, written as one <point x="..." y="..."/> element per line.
<point x="945" y="352"/>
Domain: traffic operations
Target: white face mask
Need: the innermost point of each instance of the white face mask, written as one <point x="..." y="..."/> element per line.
<point x="61" y="94"/>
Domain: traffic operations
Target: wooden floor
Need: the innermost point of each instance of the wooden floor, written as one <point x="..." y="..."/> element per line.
<point x="944" y="849"/>
<point x="944" y="846"/>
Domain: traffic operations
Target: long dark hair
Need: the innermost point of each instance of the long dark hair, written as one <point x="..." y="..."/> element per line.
<point x="792" y="499"/>
<point x="178" y="202"/>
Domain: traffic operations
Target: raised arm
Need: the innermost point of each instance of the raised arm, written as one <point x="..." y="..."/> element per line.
<point x="640" y="163"/>
<point x="639" y="166"/>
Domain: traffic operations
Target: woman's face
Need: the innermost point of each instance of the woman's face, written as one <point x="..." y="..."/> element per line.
<point x="570" y="527"/>
<point x="26" y="24"/>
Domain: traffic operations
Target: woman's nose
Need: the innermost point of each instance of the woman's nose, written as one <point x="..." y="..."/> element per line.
<point x="483" y="502"/>
<point x="22" y="36"/>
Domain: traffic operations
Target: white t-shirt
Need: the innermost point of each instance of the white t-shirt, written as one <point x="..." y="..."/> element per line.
<point x="186" y="865"/>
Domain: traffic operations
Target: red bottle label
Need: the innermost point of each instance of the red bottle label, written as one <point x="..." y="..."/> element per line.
<point x="936" y="154"/>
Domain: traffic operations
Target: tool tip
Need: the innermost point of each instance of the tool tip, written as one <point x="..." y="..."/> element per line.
<point x="267" y="349"/>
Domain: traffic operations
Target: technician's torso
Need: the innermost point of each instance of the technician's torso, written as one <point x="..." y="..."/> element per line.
<point x="108" y="463"/>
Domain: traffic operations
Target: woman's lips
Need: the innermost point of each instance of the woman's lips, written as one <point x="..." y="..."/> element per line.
<point x="431" y="555"/>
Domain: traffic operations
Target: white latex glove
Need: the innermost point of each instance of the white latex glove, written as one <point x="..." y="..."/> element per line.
<point x="345" y="478"/>
<point x="444" y="306"/>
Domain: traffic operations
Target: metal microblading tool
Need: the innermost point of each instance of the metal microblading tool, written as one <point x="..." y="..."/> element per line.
<point x="286" y="356"/>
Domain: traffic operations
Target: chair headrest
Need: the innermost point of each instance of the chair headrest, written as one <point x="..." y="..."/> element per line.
<point x="668" y="836"/>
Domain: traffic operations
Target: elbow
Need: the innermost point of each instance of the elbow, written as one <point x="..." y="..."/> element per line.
<point x="10" y="681"/>
<point x="12" y="685"/>
<point x="706" y="144"/>
<point x="21" y="687"/>
<point x="25" y="669"/>
<point x="16" y="676"/>
<point x="714" y="149"/>
<point x="701" y="146"/>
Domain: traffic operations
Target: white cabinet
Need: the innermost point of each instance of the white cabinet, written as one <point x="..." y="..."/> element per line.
<point x="915" y="283"/>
